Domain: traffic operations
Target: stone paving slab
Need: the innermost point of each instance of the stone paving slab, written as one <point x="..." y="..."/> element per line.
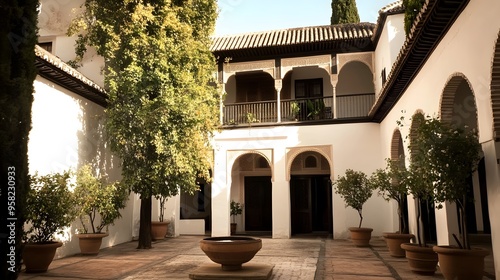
<point x="293" y="259"/>
<point x="254" y="271"/>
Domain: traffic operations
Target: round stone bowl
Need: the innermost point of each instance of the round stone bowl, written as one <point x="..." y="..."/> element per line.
<point x="230" y="251"/>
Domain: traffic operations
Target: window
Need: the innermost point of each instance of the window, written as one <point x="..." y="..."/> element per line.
<point x="46" y="46"/>
<point x="309" y="88"/>
<point x="310" y="162"/>
<point x="384" y="76"/>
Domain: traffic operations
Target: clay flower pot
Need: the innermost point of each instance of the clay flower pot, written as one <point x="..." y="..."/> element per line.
<point x="230" y="251"/>
<point x="90" y="243"/>
<point x="422" y="260"/>
<point x="461" y="264"/>
<point x="394" y="241"/>
<point x="37" y="257"/>
<point x="361" y="236"/>
<point x="159" y="230"/>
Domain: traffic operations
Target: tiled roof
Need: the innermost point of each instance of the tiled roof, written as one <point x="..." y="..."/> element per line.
<point x="54" y="69"/>
<point x="394" y="7"/>
<point x="430" y="26"/>
<point x="316" y="38"/>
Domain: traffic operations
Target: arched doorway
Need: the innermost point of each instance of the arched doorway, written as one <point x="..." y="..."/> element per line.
<point x="252" y="186"/>
<point x="310" y="194"/>
<point x="398" y="154"/>
<point x="458" y="107"/>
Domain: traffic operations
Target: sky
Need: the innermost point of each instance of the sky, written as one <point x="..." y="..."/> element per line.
<point x="244" y="16"/>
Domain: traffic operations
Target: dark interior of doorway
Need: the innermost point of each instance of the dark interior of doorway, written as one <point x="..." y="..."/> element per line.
<point x="258" y="203"/>
<point x="311" y="204"/>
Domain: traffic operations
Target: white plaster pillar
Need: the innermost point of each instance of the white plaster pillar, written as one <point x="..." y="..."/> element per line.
<point x="278" y="84"/>
<point x="333" y="81"/>
<point x="412" y="215"/>
<point x="491" y="154"/>
<point x="447" y="224"/>
<point x="220" y="194"/>
<point x="281" y="196"/>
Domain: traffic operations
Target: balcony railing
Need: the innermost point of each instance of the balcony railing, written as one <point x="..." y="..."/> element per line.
<point x="305" y="109"/>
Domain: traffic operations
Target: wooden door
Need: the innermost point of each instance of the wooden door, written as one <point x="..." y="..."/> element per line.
<point x="258" y="203"/>
<point x="300" y="200"/>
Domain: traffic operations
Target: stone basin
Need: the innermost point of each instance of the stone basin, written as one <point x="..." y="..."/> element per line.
<point x="231" y="251"/>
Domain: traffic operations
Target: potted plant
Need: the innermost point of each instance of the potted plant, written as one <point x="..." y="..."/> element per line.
<point x="315" y="108"/>
<point x="392" y="184"/>
<point x="236" y="209"/>
<point x="354" y="188"/>
<point x="295" y="110"/>
<point x="98" y="205"/>
<point x="159" y="229"/>
<point x="421" y="258"/>
<point x="49" y="209"/>
<point x="449" y="155"/>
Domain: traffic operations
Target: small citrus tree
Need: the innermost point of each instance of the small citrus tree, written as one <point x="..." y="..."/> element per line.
<point x="354" y="188"/>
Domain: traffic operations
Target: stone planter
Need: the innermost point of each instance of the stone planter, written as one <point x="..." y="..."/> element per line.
<point x="159" y="230"/>
<point x="422" y="260"/>
<point x="361" y="236"/>
<point x="394" y="241"/>
<point x="233" y="228"/>
<point x="90" y="243"/>
<point x="230" y="251"/>
<point x="38" y="257"/>
<point x="461" y="264"/>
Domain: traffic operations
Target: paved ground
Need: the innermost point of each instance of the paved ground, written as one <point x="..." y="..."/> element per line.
<point x="293" y="259"/>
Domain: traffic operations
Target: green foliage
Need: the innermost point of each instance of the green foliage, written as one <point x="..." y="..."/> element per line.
<point x="49" y="206"/>
<point x="159" y="71"/>
<point x="295" y="108"/>
<point x="236" y="209"/>
<point x="392" y="183"/>
<point x="355" y="189"/>
<point x="94" y="196"/>
<point x="18" y="36"/>
<point x="315" y="108"/>
<point x="446" y="156"/>
<point x="344" y="11"/>
<point x="412" y="8"/>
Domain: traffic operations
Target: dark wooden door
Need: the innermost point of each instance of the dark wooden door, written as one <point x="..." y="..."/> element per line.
<point x="258" y="203"/>
<point x="300" y="202"/>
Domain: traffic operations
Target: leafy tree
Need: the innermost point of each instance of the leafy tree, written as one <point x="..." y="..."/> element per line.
<point x="344" y="11"/>
<point x="18" y="35"/>
<point x="412" y="8"/>
<point x="162" y="106"/>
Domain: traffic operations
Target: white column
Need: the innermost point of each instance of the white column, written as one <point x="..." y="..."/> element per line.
<point x="333" y="81"/>
<point x="220" y="194"/>
<point x="278" y="85"/>
<point x="281" y="196"/>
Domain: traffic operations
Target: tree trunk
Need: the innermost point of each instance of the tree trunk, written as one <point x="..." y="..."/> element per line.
<point x="145" y="224"/>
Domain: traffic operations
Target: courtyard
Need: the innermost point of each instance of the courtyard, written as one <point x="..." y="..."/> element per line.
<point x="304" y="257"/>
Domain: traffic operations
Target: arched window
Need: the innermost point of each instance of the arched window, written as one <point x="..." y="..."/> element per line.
<point x="311" y="162"/>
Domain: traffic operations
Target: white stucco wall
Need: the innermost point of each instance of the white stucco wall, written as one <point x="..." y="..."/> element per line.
<point x="351" y="146"/>
<point x="64" y="136"/>
<point x="468" y="49"/>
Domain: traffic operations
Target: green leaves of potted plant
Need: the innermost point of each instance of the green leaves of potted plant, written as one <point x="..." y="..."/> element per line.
<point x="98" y="205"/>
<point x="354" y="188"/>
<point x="392" y="184"/>
<point x="236" y="209"/>
<point x="449" y="155"/>
<point x="49" y="209"/>
<point x="159" y="228"/>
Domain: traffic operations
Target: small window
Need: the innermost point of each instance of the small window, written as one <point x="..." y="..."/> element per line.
<point x="309" y="88"/>
<point x="383" y="76"/>
<point x="46" y="46"/>
<point x="310" y="162"/>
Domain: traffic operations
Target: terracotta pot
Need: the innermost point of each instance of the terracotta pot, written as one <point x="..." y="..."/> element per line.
<point x="37" y="257"/>
<point x="361" y="236"/>
<point x="159" y="230"/>
<point x="230" y="251"/>
<point x="90" y="243"/>
<point x="461" y="264"/>
<point x="422" y="260"/>
<point x="394" y="241"/>
<point x="233" y="228"/>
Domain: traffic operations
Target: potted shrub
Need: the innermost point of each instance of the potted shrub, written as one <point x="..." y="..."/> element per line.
<point x="159" y="229"/>
<point x="49" y="209"/>
<point x="391" y="183"/>
<point x="98" y="205"/>
<point x="449" y="155"/>
<point x="236" y="209"/>
<point x="354" y="188"/>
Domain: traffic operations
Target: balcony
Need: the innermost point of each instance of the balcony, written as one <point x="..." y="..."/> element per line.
<point x="298" y="110"/>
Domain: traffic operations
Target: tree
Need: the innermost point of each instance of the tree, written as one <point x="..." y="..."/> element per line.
<point x="158" y="74"/>
<point x="412" y="8"/>
<point x="344" y="11"/>
<point x="18" y="35"/>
